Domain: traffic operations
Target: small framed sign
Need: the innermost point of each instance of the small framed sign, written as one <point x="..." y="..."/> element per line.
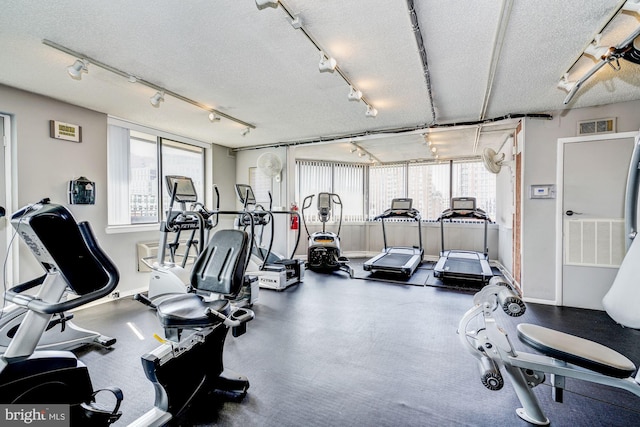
<point x="66" y="131"/>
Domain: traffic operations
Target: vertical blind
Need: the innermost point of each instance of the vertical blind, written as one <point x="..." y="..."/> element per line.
<point x="367" y="190"/>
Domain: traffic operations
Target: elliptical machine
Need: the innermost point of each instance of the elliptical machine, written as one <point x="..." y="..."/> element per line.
<point x="274" y="271"/>
<point x="323" y="254"/>
<point x="188" y="363"/>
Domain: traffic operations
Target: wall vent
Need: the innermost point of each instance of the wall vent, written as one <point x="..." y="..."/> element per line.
<point x="597" y="126"/>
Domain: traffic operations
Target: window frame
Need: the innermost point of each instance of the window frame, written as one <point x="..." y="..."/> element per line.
<point x="160" y="135"/>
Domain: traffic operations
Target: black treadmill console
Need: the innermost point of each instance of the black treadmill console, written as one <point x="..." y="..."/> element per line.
<point x="464" y="207"/>
<point x="463" y="203"/>
<point x="401" y="207"/>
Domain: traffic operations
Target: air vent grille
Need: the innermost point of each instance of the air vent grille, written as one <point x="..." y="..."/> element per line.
<point x="597" y="126"/>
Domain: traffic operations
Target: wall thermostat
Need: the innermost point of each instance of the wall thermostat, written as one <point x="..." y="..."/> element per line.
<point x="544" y="191"/>
<point x="82" y="191"/>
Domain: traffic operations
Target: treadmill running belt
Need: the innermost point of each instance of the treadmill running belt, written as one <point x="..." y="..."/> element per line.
<point x="392" y="260"/>
<point x="462" y="266"/>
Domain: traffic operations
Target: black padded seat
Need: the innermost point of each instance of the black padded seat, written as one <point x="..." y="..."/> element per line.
<point x="576" y="350"/>
<point x="189" y="311"/>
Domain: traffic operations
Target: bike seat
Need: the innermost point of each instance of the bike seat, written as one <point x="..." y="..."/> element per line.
<point x="576" y="350"/>
<point x="190" y="311"/>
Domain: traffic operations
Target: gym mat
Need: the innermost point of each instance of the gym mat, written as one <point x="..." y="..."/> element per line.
<point x="336" y="352"/>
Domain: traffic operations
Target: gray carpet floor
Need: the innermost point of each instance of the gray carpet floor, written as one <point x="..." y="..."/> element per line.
<point x="334" y="351"/>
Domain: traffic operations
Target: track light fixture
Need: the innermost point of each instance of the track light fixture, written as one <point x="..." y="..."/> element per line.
<point x="245" y="131"/>
<point x="327" y="63"/>
<point x="296" y="22"/>
<point x="156" y="99"/>
<point x="132" y="78"/>
<point x="213" y="117"/>
<point x="371" y="112"/>
<point x="434" y="150"/>
<point x="78" y="67"/>
<point x="354" y="94"/>
<point x="606" y="55"/>
<point x="262" y="4"/>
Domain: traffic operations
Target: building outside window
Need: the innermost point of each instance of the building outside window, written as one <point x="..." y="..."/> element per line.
<point x="138" y="161"/>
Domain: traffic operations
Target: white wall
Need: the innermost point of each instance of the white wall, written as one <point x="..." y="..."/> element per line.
<point x="45" y="166"/>
<point x="539" y="158"/>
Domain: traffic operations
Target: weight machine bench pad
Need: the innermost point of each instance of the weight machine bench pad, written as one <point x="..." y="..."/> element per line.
<point x="576" y="350"/>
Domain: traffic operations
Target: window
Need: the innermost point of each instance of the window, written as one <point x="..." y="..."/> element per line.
<point x="261" y="185"/>
<point x="138" y="161"/>
<point x="430" y="185"/>
<point x="344" y="179"/>
<point x="429" y="188"/>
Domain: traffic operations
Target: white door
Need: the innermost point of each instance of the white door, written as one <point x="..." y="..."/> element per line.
<point x="593" y="188"/>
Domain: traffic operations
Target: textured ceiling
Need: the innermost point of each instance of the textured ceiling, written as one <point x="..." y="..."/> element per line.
<point x="485" y="59"/>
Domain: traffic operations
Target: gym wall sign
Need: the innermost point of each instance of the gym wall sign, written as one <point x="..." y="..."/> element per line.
<point x="65" y="131"/>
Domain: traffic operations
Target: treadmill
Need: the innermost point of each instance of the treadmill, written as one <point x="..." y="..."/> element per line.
<point x="397" y="259"/>
<point x="463" y="265"/>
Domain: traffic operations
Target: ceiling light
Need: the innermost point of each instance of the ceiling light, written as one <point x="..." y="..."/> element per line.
<point x="245" y="131"/>
<point x="327" y="63"/>
<point x="213" y="117"/>
<point x="371" y="112"/>
<point x="296" y="22"/>
<point x="132" y="79"/>
<point x="78" y="67"/>
<point x="156" y="99"/>
<point x="433" y="150"/>
<point x="261" y="4"/>
<point x="354" y="94"/>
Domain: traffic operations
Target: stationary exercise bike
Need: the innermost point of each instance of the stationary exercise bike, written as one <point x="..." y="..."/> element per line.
<point x="564" y="355"/>
<point x="187" y="364"/>
<point x="168" y="277"/>
<point x="323" y="254"/>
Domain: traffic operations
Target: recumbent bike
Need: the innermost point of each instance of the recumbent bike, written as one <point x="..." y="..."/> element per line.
<point x="189" y="363"/>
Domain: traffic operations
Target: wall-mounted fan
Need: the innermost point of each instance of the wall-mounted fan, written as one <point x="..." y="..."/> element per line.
<point x="270" y="165"/>
<point x="492" y="160"/>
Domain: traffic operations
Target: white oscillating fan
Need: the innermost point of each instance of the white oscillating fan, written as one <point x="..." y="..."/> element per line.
<point x="270" y="165"/>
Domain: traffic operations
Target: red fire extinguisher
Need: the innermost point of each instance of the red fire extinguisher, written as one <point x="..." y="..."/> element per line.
<point x="294" y="218"/>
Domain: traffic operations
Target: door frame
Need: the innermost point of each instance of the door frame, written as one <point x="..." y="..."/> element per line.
<point x="11" y="266"/>
<point x="560" y="196"/>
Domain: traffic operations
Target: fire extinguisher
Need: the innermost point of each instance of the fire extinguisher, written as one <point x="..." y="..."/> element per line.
<point x="294" y="218"/>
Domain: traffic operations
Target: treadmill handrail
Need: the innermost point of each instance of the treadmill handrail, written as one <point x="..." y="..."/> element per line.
<point x="465" y="213"/>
